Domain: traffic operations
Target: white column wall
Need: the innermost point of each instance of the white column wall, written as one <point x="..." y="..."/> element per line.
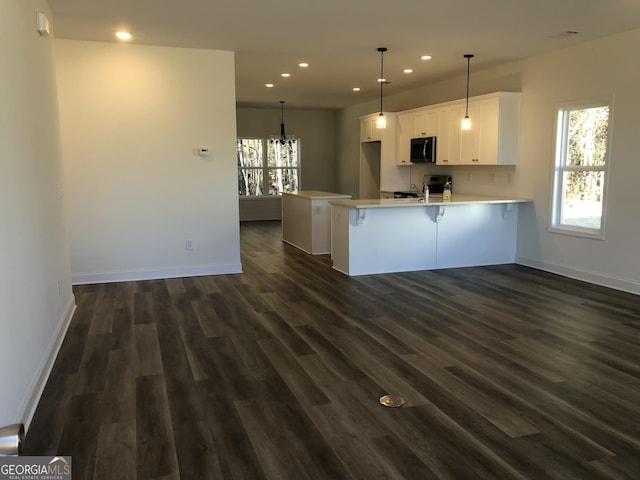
<point x="132" y="118"/>
<point x="36" y="301"/>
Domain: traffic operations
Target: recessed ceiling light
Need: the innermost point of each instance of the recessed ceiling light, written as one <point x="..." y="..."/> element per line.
<point x="268" y="85"/>
<point x="123" y="35"/>
<point x="408" y="70"/>
<point x="285" y="75"/>
<point x="303" y="65"/>
<point x="356" y="89"/>
<point x="425" y="57"/>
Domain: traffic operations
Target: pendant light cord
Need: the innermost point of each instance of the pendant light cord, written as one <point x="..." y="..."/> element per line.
<point x="381" y="50"/>
<point x="468" y="56"/>
<point x="283" y="137"/>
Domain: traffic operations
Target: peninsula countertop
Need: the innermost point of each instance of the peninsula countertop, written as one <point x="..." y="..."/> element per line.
<point x="434" y="200"/>
<point x="316" y="195"/>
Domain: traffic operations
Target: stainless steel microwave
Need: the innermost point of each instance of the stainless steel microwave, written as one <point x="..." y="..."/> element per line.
<point x="423" y="150"/>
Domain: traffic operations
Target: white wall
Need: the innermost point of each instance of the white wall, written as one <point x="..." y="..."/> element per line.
<point x="316" y="130"/>
<point x="598" y="68"/>
<point x="36" y="301"/>
<point x="589" y="70"/>
<point x="132" y="118"/>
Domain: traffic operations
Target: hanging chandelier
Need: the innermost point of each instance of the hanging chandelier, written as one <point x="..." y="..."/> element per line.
<point x="283" y="137"/>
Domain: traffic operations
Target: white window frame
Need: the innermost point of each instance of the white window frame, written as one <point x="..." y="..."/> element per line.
<point x="559" y="168"/>
<point x="265" y="168"/>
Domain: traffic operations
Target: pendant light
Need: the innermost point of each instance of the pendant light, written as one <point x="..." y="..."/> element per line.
<point x="381" y="122"/>
<point x="466" y="121"/>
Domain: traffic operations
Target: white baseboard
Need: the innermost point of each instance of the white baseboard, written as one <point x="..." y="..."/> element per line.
<point x="29" y="405"/>
<point x="597" y="278"/>
<point x="154" y="274"/>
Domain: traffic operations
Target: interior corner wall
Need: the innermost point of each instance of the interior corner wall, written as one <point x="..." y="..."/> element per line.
<point x="316" y="130"/>
<point x="132" y="119"/>
<point x="36" y="299"/>
<point x="568" y="75"/>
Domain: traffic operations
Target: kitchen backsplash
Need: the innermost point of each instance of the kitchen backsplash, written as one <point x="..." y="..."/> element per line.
<point x="472" y="179"/>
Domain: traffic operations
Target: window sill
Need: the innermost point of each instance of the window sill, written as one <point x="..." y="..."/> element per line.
<point x="577" y="232"/>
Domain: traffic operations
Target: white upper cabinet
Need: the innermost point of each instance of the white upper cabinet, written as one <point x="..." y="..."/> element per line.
<point x="406" y="124"/>
<point x="414" y="124"/>
<point x="425" y="123"/>
<point x="368" y="130"/>
<point x="493" y="138"/>
<point x="392" y="177"/>
<point x="448" y="135"/>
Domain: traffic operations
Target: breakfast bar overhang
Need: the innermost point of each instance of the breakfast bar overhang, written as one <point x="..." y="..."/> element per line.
<point x="401" y="235"/>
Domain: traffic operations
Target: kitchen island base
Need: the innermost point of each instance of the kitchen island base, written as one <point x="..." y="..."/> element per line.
<point x="306" y="220"/>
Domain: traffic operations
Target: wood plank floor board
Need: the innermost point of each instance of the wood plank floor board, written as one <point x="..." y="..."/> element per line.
<point x="49" y="416"/>
<point x="116" y="452"/>
<point x="402" y="458"/>
<point x="149" y="356"/>
<point x="237" y="458"/>
<point x="122" y="328"/>
<point x="155" y="442"/>
<point x="79" y="437"/>
<point x="287" y="335"/>
<point x="446" y="448"/>
<point x="119" y="399"/>
<point x="196" y="452"/>
<point x="184" y="401"/>
<point x="276" y="373"/>
<point x="299" y="382"/>
<point x="269" y="442"/>
<point x="225" y="367"/>
<point x="355" y="451"/>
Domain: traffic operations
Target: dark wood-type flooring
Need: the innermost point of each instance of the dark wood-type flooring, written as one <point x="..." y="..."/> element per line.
<point x="507" y="373"/>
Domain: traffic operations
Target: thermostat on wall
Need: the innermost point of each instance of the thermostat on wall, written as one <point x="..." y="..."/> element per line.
<point x="203" y="152"/>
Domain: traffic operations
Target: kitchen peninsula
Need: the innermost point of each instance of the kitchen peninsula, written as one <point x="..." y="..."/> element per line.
<point x="400" y="235"/>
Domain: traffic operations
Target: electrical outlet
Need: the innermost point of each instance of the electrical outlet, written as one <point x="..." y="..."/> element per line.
<point x="188" y="244"/>
<point x="510" y="178"/>
<point x="469" y="177"/>
<point x="492" y="178"/>
<point x="58" y="286"/>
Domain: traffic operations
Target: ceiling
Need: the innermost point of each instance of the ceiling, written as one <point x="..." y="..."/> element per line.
<point x="339" y="38"/>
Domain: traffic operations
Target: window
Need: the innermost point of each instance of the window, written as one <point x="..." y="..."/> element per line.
<point x="581" y="164"/>
<point x="267" y="173"/>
